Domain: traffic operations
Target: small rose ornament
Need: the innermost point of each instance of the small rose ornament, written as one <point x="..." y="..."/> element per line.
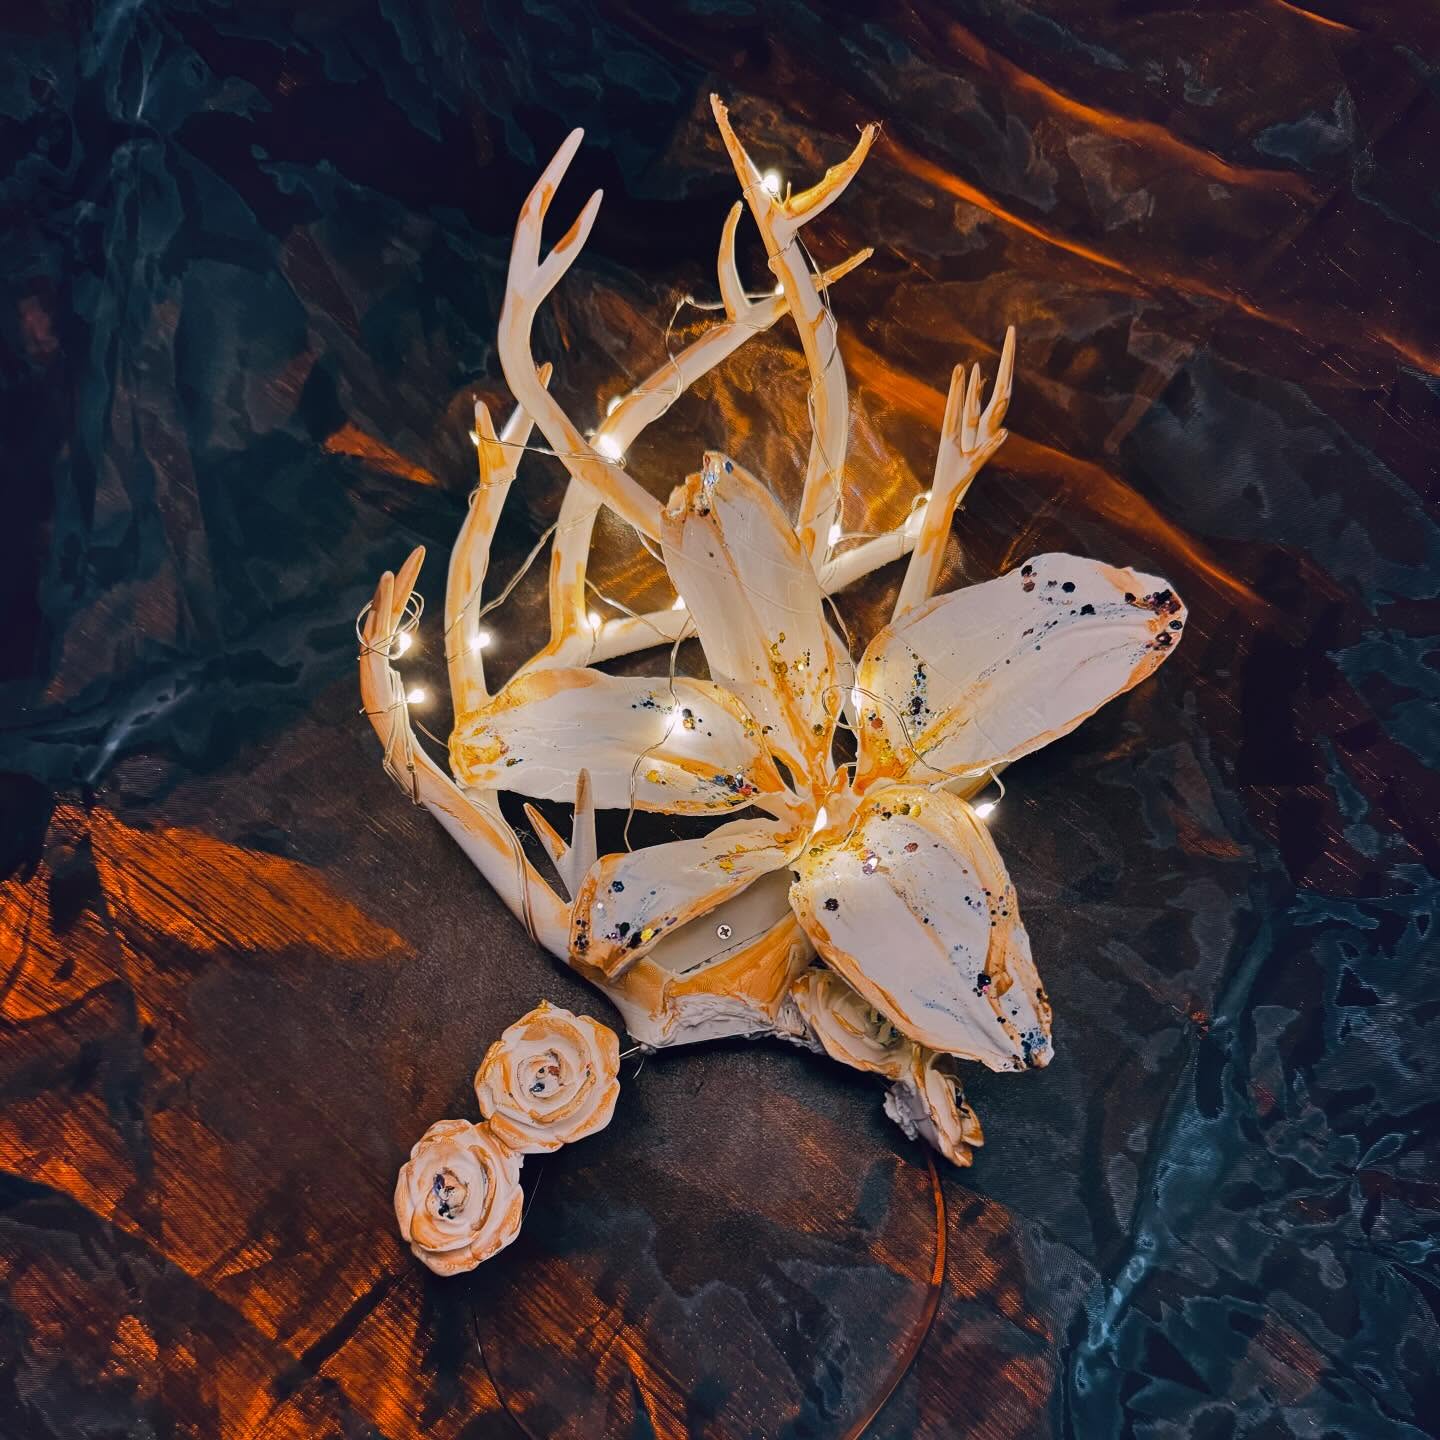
<point x="926" y="1100"/>
<point x="929" y="1101"/>
<point x="458" y="1197"/>
<point x="551" y="1078"/>
<point x="847" y="1027"/>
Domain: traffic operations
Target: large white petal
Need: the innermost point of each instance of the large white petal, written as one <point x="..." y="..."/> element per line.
<point x="750" y="587"/>
<point x="630" y="901"/>
<point x="910" y="902"/>
<point x="691" y="750"/>
<point x="989" y="673"/>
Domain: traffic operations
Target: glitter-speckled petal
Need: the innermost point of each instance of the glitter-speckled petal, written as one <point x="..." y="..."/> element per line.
<point x="756" y="604"/>
<point x="910" y="902"/>
<point x="692" y="750"/>
<point x="990" y="673"/>
<point x="630" y="901"/>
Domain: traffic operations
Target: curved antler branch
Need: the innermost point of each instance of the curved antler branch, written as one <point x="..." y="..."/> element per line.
<point x="571" y="636"/>
<point x="473" y="821"/>
<point x="529" y="281"/>
<point x="498" y="457"/>
<point x="780" y="221"/>
<point x="968" y="439"/>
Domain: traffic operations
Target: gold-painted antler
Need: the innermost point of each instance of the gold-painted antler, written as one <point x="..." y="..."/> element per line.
<point x="779" y="219"/>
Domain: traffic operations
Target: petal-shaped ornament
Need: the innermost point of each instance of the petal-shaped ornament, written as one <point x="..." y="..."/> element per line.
<point x="756" y="604"/>
<point x="984" y="675"/>
<point x="910" y="902"/>
<point x="687" y="750"/>
<point x="631" y="900"/>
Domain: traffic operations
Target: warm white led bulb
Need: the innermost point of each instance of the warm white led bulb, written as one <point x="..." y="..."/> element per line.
<point x="417" y="695"/>
<point x="821" y="821"/>
<point x="771" y="181"/>
<point x="609" y="447"/>
<point x="403" y="641"/>
<point x="679" y="603"/>
<point x="985" y="807"/>
<point x="479" y="640"/>
<point x="612" y="404"/>
<point x="594" y="618"/>
<point x="835" y="533"/>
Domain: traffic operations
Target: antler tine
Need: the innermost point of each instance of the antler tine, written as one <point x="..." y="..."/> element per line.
<point x="529" y="281"/>
<point x="479" y="830"/>
<point x="571" y="636"/>
<point x="779" y="221"/>
<point x="732" y="288"/>
<point x="798" y="210"/>
<point x="498" y="458"/>
<point x="968" y="438"/>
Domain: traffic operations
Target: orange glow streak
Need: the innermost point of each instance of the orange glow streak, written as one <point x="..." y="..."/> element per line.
<point x="1143" y="133"/>
<point x="1317" y="19"/>
<point x="350" y="440"/>
<point x="208" y="895"/>
<point x="933" y="174"/>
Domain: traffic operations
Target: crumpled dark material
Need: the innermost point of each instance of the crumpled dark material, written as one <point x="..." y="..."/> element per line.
<point x="254" y="260"/>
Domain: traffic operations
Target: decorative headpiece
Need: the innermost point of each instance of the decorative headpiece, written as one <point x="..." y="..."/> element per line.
<point x="858" y="905"/>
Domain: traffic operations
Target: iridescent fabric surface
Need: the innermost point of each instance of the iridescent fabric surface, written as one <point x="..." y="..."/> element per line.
<point x="254" y="261"/>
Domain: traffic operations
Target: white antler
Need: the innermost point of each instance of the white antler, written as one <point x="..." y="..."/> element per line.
<point x="779" y="220"/>
<point x="473" y="820"/>
<point x="529" y="281"/>
<point x="498" y="457"/>
<point x="968" y="439"/>
<point x="572" y="638"/>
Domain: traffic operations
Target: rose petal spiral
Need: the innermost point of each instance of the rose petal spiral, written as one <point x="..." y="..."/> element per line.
<point x="458" y="1196"/>
<point x="847" y="1026"/>
<point x="551" y="1077"/>
<point x="929" y="1101"/>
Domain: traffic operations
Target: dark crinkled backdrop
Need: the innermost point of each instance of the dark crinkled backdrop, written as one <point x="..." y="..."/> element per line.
<point x="254" y="257"/>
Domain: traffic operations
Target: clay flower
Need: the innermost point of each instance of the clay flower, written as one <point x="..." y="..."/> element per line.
<point x="927" y="1098"/>
<point x="929" y="1101"/>
<point x="458" y="1196"/>
<point x="551" y="1078"/>
<point x="894" y="879"/>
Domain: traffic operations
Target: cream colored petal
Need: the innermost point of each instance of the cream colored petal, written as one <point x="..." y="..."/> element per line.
<point x="630" y="901"/>
<point x="755" y="601"/>
<point x="987" y="674"/>
<point x="691" y="750"/>
<point x="727" y="973"/>
<point x="910" y="902"/>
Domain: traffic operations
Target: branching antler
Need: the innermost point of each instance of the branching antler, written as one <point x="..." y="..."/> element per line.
<point x="498" y="457"/>
<point x="779" y="220"/>
<point x="572" y="638"/>
<point x="473" y="820"/>
<point x="529" y="281"/>
<point x="473" y="816"/>
<point x="968" y="439"/>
